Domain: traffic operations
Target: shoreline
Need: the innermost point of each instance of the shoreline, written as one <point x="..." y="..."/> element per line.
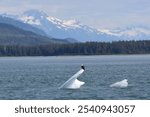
<point x="78" y="55"/>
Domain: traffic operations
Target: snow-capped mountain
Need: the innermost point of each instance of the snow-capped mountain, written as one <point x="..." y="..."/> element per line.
<point x="57" y="28"/>
<point x="130" y="33"/>
<point x="72" y="29"/>
<point x="10" y="19"/>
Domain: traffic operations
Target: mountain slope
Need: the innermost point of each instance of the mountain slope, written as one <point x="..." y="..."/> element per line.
<point x="72" y="29"/>
<point x="11" y="35"/>
<point x="130" y="33"/>
<point x="63" y="29"/>
<point x="10" y="19"/>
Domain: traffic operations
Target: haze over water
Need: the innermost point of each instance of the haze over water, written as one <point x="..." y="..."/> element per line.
<point x="40" y="77"/>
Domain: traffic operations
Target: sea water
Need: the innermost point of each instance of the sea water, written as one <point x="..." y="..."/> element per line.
<point x="40" y="77"/>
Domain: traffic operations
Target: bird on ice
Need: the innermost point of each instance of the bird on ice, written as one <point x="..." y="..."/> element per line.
<point x="73" y="82"/>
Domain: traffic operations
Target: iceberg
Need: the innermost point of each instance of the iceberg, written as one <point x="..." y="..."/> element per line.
<point x="120" y="84"/>
<point x="73" y="82"/>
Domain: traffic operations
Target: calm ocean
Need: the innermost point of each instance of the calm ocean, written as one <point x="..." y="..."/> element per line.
<point x="40" y="77"/>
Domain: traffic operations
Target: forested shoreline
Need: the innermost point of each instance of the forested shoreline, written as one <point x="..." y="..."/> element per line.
<point x="87" y="48"/>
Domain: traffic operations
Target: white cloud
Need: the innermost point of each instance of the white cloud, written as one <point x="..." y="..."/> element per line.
<point x="98" y="13"/>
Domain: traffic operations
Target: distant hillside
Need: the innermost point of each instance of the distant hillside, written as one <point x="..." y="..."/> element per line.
<point x="88" y="48"/>
<point x="72" y="30"/>
<point x="11" y="35"/>
<point x="58" y="28"/>
<point x="19" y="24"/>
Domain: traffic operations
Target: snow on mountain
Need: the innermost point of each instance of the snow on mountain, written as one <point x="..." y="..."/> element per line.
<point x="73" y="29"/>
<point x="57" y="28"/>
<point x="12" y="19"/>
<point x="31" y="20"/>
<point x="131" y="33"/>
<point x="71" y="23"/>
<point x="109" y="32"/>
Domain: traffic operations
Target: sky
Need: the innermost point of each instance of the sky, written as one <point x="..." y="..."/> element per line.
<point x="101" y="14"/>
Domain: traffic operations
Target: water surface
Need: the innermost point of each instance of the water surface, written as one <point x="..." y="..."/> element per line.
<point x="39" y="77"/>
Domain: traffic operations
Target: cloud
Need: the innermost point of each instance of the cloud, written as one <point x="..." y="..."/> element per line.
<point x="97" y="13"/>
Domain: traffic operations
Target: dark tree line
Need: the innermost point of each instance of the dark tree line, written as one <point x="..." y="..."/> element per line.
<point x="88" y="48"/>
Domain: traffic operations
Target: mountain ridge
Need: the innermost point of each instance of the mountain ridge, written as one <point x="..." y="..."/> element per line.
<point x="11" y="35"/>
<point x="62" y="28"/>
<point x="57" y="28"/>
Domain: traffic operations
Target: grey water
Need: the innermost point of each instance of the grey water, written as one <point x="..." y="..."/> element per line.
<point x="39" y="78"/>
